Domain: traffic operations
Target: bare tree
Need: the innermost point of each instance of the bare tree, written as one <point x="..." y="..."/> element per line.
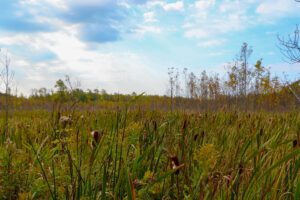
<point x="172" y="78"/>
<point x="192" y="83"/>
<point x="203" y="85"/>
<point x="7" y="77"/>
<point x="245" y="53"/>
<point x="177" y="84"/>
<point x="290" y="46"/>
<point x="186" y="82"/>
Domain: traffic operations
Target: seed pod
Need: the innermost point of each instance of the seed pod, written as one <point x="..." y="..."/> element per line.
<point x="96" y="136"/>
<point x="203" y="134"/>
<point x="261" y="132"/>
<point x="295" y="143"/>
<point x="241" y="169"/>
<point x="185" y="123"/>
<point x="196" y="137"/>
<point x="155" y="126"/>
<point x="65" y="120"/>
<point x="175" y="163"/>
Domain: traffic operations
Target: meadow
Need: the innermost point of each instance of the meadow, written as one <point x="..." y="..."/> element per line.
<point x="144" y="154"/>
<point x="230" y="130"/>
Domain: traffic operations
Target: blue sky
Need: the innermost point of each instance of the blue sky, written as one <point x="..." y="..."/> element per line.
<point x="128" y="45"/>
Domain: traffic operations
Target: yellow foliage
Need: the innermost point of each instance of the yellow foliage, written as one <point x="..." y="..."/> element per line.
<point x="148" y="175"/>
<point x="25" y="196"/>
<point x="207" y="156"/>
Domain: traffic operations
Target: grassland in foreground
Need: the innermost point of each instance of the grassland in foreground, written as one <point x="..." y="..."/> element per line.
<point x="151" y="155"/>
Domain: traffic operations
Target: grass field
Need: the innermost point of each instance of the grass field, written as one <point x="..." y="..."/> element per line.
<point x="151" y="155"/>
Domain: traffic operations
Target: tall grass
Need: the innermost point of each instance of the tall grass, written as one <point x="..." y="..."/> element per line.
<point x="221" y="155"/>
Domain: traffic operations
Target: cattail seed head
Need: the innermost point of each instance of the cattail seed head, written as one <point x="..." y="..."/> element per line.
<point x="196" y="137"/>
<point x="240" y="169"/>
<point x="65" y="120"/>
<point x="96" y="136"/>
<point x="175" y="163"/>
<point x="295" y="143"/>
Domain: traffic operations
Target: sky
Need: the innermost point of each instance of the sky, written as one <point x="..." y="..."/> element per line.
<point x="128" y="45"/>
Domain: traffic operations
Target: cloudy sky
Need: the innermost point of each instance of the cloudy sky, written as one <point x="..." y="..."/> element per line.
<point x="128" y="45"/>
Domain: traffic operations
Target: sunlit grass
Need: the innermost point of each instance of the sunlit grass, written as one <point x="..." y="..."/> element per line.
<point x="221" y="155"/>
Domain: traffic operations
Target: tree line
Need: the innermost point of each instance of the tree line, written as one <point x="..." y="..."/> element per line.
<point x="241" y="80"/>
<point x="243" y="83"/>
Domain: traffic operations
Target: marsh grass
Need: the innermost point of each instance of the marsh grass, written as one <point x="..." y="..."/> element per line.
<point x="221" y="155"/>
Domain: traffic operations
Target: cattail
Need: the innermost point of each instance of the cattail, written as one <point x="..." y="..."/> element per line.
<point x="96" y="136"/>
<point x="216" y="180"/>
<point x="202" y="134"/>
<point x="261" y="132"/>
<point x="228" y="179"/>
<point x="65" y="120"/>
<point x="241" y="169"/>
<point x="137" y="183"/>
<point x="175" y="163"/>
<point x="155" y="126"/>
<point x="185" y="124"/>
<point x="196" y="137"/>
<point x="295" y="143"/>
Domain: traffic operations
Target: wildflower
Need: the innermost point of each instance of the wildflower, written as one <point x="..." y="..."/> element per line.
<point x="207" y="156"/>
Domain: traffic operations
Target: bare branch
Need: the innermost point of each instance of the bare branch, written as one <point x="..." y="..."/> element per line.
<point x="290" y="47"/>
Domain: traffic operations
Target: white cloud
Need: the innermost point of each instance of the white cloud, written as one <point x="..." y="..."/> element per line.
<point x="155" y="3"/>
<point x="211" y="43"/>
<point x="91" y="2"/>
<point x="278" y="8"/>
<point x="177" y="6"/>
<point x="149" y="17"/>
<point x="115" y="72"/>
<point x="217" y="53"/>
<point x="194" y="32"/>
<point x="60" y="4"/>
<point x="144" y="29"/>
<point x="206" y="22"/>
<point x="204" y="4"/>
<point x="292" y="70"/>
<point x="216" y="26"/>
<point x="229" y="6"/>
